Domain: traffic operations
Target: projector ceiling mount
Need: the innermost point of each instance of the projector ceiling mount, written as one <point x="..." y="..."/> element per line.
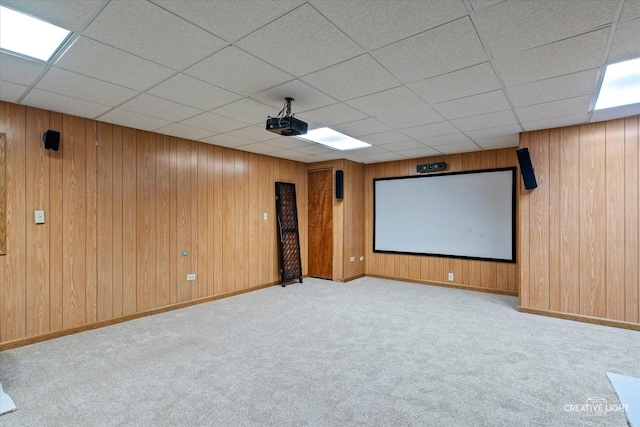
<point x="284" y="123"/>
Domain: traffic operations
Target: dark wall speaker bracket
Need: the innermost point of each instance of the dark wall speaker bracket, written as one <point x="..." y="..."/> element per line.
<point x="51" y="140"/>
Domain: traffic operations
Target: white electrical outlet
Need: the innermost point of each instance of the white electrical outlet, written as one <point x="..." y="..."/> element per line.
<point x="264" y="216"/>
<point x="451" y="277"/>
<point x="361" y="258"/>
<point x="191" y="277"/>
<point x="39" y="217"/>
<point x="353" y="258"/>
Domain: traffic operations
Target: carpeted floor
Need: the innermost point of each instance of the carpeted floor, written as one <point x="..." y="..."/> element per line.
<point x="369" y="352"/>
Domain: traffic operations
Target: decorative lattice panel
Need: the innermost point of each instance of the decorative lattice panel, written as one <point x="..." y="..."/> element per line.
<point x="288" y="235"/>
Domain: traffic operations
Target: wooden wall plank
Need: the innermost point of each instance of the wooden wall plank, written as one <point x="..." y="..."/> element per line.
<point x="553" y="177"/>
<point x="105" y="220"/>
<point x="129" y="221"/>
<point x="615" y="220"/>
<point x="184" y="206"/>
<point x="523" y="233"/>
<point x="163" y="252"/>
<point x="37" y="235"/>
<point x="73" y="137"/>
<point x="539" y="229"/>
<point x="91" y="215"/>
<point x="241" y="219"/>
<point x="632" y="224"/>
<point x="12" y="294"/>
<point x="192" y="260"/>
<point x="145" y="221"/>
<point x="218" y="224"/>
<point x="203" y="222"/>
<point x="570" y="219"/>
<point x="118" y="218"/>
<point x="228" y="220"/>
<point x="174" y="251"/>
<point x="254" y="237"/>
<point x="592" y="220"/>
<point x="54" y="219"/>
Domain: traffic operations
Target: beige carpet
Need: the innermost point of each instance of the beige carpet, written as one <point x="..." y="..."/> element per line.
<point x="370" y="352"/>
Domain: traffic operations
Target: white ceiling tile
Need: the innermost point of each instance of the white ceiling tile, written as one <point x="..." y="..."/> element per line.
<point x="253" y="133"/>
<point x="556" y="59"/>
<point x="373" y="26"/>
<point x="68" y="14"/>
<point x="224" y="140"/>
<point x="148" y="31"/>
<point x="460" y="147"/>
<point x="425" y="131"/>
<point x="353" y="78"/>
<point x="553" y="109"/>
<point x="457" y="84"/>
<point x="519" y="25"/>
<point x="213" y="122"/>
<point x="133" y="120"/>
<point x="556" y="122"/>
<point x="78" y="86"/>
<point x="237" y="71"/>
<point x="387" y="157"/>
<point x="419" y="152"/>
<point x="63" y="104"/>
<point x="247" y="111"/>
<point x="106" y="63"/>
<point x="312" y="148"/>
<point x="494" y="132"/>
<point x="553" y="89"/>
<point x="484" y="121"/>
<point x="362" y="127"/>
<point x="383" y="138"/>
<point x="455" y="45"/>
<point x="481" y="4"/>
<point x="630" y="10"/>
<point x="10" y="92"/>
<point x="497" y="142"/>
<point x="626" y="41"/>
<point x="473" y="105"/>
<point x="288" y="143"/>
<point x="403" y="145"/>
<point x="18" y="70"/>
<point x="195" y="93"/>
<point x="298" y="157"/>
<point x="159" y="108"/>
<point x="305" y="97"/>
<point x="398" y="107"/>
<point x="371" y="150"/>
<point x="453" y="138"/>
<point x="259" y="148"/>
<point x="333" y="115"/>
<point x="300" y="42"/>
<point x="187" y="132"/>
<point x="228" y="19"/>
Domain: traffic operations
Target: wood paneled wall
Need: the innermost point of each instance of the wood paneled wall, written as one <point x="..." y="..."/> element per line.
<point x="121" y="207"/>
<point x="485" y="275"/>
<point x="348" y="214"/>
<point x="579" y="230"/>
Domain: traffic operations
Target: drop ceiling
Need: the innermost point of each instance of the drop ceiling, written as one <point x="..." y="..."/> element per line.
<point x="412" y="78"/>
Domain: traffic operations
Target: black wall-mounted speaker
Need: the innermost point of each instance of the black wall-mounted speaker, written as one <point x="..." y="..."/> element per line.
<point x="526" y="169"/>
<point x="51" y="140"/>
<point x="339" y="184"/>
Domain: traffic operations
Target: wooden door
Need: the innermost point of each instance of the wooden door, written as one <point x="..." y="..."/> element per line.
<point x="321" y="224"/>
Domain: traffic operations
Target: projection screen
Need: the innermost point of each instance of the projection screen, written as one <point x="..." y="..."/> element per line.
<point x="467" y="214"/>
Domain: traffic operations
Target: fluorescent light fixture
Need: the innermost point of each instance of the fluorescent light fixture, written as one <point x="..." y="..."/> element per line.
<point x="333" y="139"/>
<point x="621" y="85"/>
<point x="29" y="36"/>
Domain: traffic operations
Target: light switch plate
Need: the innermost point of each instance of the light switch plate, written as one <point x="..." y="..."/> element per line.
<point x="39" y="216"/>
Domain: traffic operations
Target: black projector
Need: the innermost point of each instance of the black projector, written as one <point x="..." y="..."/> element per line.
<point x="286" y="126"/>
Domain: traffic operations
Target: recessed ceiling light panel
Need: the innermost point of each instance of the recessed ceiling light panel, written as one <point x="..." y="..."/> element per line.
<point x="333" y="139"/>
<point x="621" y="85"/>
<point x="29" y="36"/>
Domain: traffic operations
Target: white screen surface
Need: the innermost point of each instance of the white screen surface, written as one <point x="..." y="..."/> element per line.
<point x="468" y="215"/>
